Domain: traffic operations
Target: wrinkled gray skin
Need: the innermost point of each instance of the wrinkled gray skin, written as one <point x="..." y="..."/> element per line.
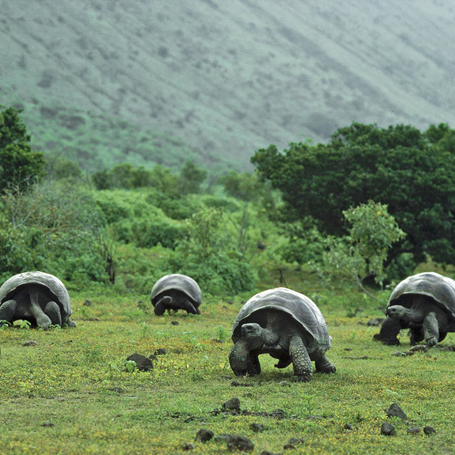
<point x="282" y="338"/>
<point x="34" y="303"/>
<point x="174" y="300"/>
<point x="425" y="319"/>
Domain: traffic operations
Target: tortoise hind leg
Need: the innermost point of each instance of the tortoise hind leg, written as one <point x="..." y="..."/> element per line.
<point x="188" y="306"/>
<point x="162" y="305"/>
<point x="52" y="310"/>
<point x="8" y="310"/>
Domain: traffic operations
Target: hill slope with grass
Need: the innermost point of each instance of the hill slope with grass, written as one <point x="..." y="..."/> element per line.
<point x="226" y="78"/>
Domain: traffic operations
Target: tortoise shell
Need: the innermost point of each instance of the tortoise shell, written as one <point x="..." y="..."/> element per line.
<point x="440" y="288"/>
<point x="54" y="286"/>
<point x="298" y="306"/>
<point x="177" y="282"/>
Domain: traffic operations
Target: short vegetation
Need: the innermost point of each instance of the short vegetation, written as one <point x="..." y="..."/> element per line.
<point x="341" y="222"/>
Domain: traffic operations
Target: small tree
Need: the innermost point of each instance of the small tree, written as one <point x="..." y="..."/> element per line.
<point x="363" y="252"/>
<point x="18" y="163"/>
<point x="191" y="178"/>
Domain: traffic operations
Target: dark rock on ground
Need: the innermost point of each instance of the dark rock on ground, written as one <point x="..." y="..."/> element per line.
<point x="293" y="443"/>
<point x="376" y="322"/>
<point x="429" y="430"/>
<point x="187" y="446"/>
<point x="47" y="424"/>
<point x="240" y="384"/>
<point x="399" y="354"/>
<point x="87" y="303"/>
<point x="387" y="429"/>
<point x="419" y="348"/>
<point x="396" y="411"/>
<point x="257" y="427"/>
<point x="203" y="435"/>
<point x="118" y="390"/>
<point x="413" y="429"/>
<point x="240" y="443"/>
<point x="160" y="351"/>
<point x="142" y="363"/>
<point x="278" y="414"/>
<point x="231" y="405"/>
<point x="29" y="343"/>
<point x="223" y="437"/>
<point x="175" y="322"/>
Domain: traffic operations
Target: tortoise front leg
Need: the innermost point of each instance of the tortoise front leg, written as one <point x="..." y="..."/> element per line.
<point x="8" y="310"/>
<point x="323" y="364"/>
<point x="283" y="362"/>
<point x="162" y="305"/>
<point x="253" y="365"/>
<point x="300" y="359"/>
<point x="431" y="329"/>
<point x="390" y="329"/>
<point x="242" y="361"/>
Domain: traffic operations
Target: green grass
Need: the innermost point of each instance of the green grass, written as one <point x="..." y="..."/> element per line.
<point x="76" y="380"/>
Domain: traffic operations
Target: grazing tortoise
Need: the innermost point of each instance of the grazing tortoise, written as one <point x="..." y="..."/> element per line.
<point x="424" y="303"/>
<point x="176" y="292"/>
<point x="37" y="297"/>
<point x="285" y="324"/>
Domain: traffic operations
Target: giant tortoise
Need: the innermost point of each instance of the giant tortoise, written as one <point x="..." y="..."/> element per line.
<point x="424" y="303"/>
<point x="36" y="297"/>
<point x="285" y="324"/>
<point x="176" y="292"/>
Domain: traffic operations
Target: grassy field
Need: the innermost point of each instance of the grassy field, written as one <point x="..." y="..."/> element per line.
<point x="69" y="390"/>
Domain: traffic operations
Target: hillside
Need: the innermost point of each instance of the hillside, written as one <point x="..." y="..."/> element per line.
<point x="226" y="78"/>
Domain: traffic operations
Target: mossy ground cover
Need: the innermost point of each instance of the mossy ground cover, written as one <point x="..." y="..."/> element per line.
<point x="71" y="392"/>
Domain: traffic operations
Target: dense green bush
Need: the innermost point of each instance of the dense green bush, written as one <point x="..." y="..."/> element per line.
<point x="54" y="226"/>
<point x="134" y="219"/>
<point x="177" y="208"/>
<point x="209" y="256"/>
<point x="305" y="242"/>
<point x="410" y="171"/>
<point x="16" y="255"/>
<point x="150" y="232"/>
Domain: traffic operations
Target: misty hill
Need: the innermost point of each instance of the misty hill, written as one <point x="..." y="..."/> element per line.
<point x="221" y="79"/>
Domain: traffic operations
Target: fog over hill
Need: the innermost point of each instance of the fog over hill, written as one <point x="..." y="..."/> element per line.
<point x="230" y="77"/>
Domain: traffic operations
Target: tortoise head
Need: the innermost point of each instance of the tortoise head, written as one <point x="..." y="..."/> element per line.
<point x="252" y="331"/>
